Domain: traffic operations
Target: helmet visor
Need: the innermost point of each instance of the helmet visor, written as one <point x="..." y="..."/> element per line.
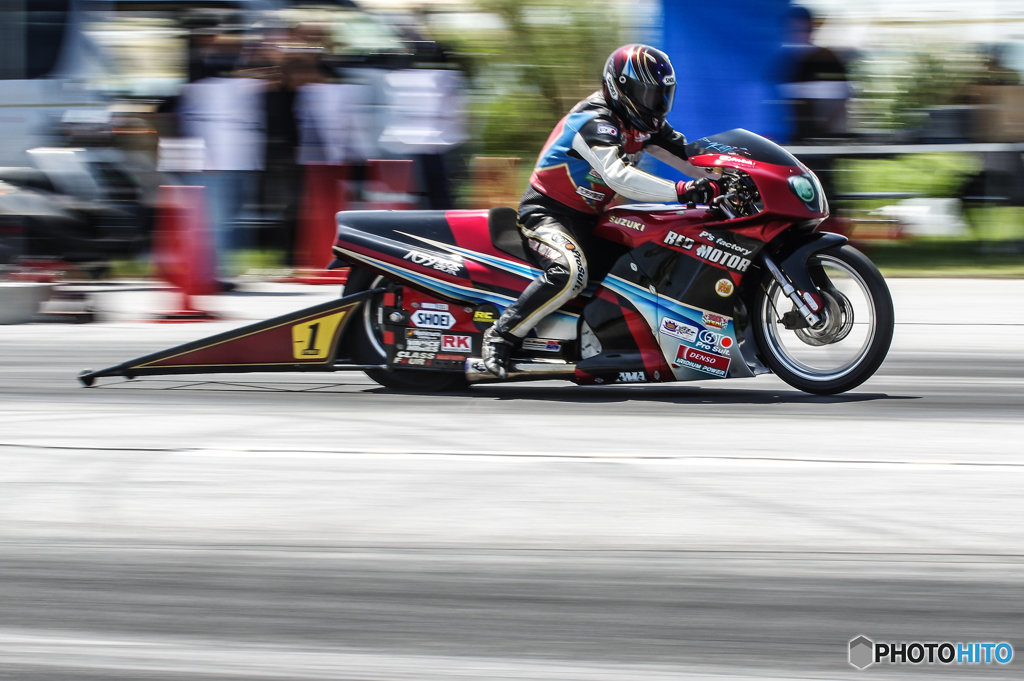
<point x="656" y="99"/>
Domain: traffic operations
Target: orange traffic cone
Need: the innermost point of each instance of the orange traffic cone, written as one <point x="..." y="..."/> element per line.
<point x="183" y="251"/>
<point x="390" y="185"/>
<point x="325" y="193"/>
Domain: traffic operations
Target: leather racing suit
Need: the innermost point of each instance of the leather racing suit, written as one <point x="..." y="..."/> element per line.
<point x="589" y="157"/>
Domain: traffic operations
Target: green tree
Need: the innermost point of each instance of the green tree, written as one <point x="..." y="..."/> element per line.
<point x="525" y="76"/>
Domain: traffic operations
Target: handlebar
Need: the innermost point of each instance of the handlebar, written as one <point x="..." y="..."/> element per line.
<point x="722" y="205"/>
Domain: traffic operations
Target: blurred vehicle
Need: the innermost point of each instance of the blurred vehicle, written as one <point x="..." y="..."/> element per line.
<point x="77" y="206"/>
<point x="48" y="62"/>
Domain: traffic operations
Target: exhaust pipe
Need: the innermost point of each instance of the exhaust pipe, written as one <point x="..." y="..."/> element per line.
<point x="520" y="370"/>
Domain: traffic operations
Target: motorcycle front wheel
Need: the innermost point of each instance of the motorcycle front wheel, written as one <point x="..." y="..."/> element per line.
<point x="366" y="345"/>
<point x="851" y="341"/>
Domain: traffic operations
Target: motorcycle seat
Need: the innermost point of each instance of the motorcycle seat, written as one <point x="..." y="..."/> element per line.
<point x="503" y="223"/>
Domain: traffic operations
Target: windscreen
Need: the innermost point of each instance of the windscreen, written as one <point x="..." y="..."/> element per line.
<point x="743" y="143"/>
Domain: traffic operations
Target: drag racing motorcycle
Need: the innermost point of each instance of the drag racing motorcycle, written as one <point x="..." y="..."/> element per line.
<point x="745" y="286"/>
<point x="735" y="289"/>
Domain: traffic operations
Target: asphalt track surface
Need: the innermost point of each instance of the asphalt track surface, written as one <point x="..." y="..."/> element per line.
<point x="314" y="526"/>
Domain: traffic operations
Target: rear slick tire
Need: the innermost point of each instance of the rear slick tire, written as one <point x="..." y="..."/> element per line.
<point x="366" y="346"/>
<point x="851" y="342"/>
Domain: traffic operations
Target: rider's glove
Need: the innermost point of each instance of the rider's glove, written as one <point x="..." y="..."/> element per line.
<point x="701" y="191"/>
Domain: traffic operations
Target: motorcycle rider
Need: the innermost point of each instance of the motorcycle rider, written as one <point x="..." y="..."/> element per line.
<point x="590" y="157"/>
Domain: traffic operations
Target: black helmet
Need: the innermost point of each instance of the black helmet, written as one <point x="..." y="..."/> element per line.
<point x="639" y="85"/>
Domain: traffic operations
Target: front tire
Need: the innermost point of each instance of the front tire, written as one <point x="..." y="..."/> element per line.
<point x="853" y="338"/>
<point x="365" y="344"/>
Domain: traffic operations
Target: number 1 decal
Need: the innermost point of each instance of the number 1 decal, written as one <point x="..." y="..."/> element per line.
<point x="313" y="339"/>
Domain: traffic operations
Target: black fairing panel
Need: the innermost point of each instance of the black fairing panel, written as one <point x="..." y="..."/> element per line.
<point x="431" y="224"/>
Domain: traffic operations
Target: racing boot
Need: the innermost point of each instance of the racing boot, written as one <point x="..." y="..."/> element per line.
<point x="496" y="351"/>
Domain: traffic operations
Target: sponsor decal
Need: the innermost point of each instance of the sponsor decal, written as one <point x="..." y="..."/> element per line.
<point x="450" y="343"/>
<point x="722" y="148"/>
<point x="677" y="329"/>
<point x="714" y="342"/>
<point x="631" y="377"/>
<point x="568" y="245"/>
<point x="451" y="358"/>
<point x="431" y="319"/>
<point x="719" y="257"/>
<point x="430" y="260"/>
<point x="422" y="341"/>
<point x="725" y="158"/>
<point x="605" y="129"/>
<point x="484" y="316"/>
<point x="678" y="241"/>
<point x="541" y="344"/>
<point x="724" y="288"/>
<point x="590" y="194"/>
<point x="612" y="90"/>
<point x="714" y="321"/>
<point x="626" y="222"/>
<point x="724" y="243"/>
<point x="414" y="357"/>
<point x="433" y="306"/>
<point x="408" y="354"/>
<point x="707" y="362"/>
<point x="669" y="80"/>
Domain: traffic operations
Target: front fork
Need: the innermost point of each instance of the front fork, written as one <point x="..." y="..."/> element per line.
<point x="796" y="283"/>
<point x="808" y="303"/>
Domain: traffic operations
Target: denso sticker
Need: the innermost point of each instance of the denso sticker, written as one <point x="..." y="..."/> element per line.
<point x="677" y="329"/>
<point x="708" y="362"/>
<point x="432" y="319"/>
<point x="450" y="343"/>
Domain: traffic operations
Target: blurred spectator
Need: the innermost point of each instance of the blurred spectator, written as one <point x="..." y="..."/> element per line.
<point x="815" y="83"/>
<point x="426" y="119"/>
<point x="281" y="181"/>
<point x="331" y="113"/>
<point x="816" y="88"/>
<point x="226" y="113"/>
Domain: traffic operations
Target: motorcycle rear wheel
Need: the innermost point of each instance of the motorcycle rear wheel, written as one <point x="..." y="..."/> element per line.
<point x="366" y="346"/>
<point x="851" y="342"/>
